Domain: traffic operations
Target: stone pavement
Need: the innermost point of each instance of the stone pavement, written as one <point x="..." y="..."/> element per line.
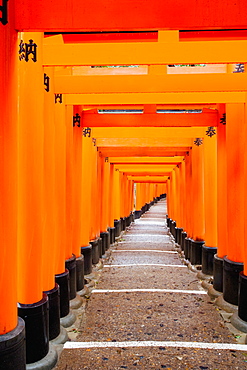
<point x="149" y="311"/>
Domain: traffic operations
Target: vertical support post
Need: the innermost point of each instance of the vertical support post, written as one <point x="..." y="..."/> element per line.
<point x="12" y="329"/>
<point x="210" y="197"/>
<point x="222" y="242"/>
<point x="31" y="215"/>
<point x="197" y="204"/>
<point x="235" y="143"/>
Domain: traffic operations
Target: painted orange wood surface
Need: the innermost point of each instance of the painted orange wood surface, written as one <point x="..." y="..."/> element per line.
<point x="222" y="243"/>
<point x="86" y="189"/>
<point x="235" y="143"/>
<point x="8" y="172"/>
<point x="146" y="53"/>
<point x="77" y="188"/>
<point x="197" y="201"/>
<point x="69" y="181"/>
<point x="210" y="190"/>
<point x="30" y="175"/>
<point x="49" y="249"/>
<point x="125" y="16"/>
<point x="60" y="186"/>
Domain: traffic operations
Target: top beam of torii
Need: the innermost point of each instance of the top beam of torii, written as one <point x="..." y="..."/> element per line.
<point x="122" y="15"/>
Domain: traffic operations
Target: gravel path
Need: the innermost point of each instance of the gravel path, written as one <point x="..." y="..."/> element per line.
<point x="146" y="296"/>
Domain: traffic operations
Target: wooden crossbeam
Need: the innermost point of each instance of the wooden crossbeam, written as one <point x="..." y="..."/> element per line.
<point x="148" y="179"/>
<point x="144" y="142"/>
<point x="122" y="15"/>
<point x="156" y="98"/>
<point x="151" y="83"/>
<point x="141" y="160"/>
<point x="122" y="151"/>
<point x="151" y="120"/>
<point x="145" y="53"/>
<point x="148" y="132"/>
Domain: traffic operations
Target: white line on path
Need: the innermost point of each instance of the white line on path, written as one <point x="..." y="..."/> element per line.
<point x="142" y="241"/>
<point x="145" y="264"/>
<point x="202" y="345"/>
<point x="164" y="236"/>
<point x="143" y="250"/>
<point x="149" y="291"/>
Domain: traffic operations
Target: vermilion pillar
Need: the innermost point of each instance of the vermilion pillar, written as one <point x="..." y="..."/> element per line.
<point x="168" y="197"/>
<point x="30" y="174"/>
<point x="8" y="173"/>
<point x="210" y="197"/>
<point x="77" y="186"/>
<point x="116" y="201"/>
<point x="94" y="228"/>
<point x="188" y="195"/>
<point x="69" y="181"/>
<point x="104" y="212"/>
<point x="105" y="165"/>
<point x="60" y="186"/>
<point x="139" y="203"/>
<point x="111" y="196"/>
<point x="239" y="319"/>
<point x="48" y="256"/>
<point x="12" y="329"/>
<point x="86" y="201"/>
<point x="198" y="207"/>
<point x="198" y="193"/>
<point x="86" y="189"/>
<point x="31" y="212"/>
<point x="222" y="241"/>
<point x="235" y="144"/>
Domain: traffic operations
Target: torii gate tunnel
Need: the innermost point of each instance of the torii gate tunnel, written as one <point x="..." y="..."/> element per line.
<point x="105" y="108"/>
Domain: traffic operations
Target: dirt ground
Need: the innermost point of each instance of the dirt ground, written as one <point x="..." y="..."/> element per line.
<point x="145" y="258"/>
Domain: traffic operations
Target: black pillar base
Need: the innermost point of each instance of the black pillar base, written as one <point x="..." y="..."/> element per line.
<point x="13" y="348"/>
<point x="54" y="311"/>
<point x="107" y="244"/>
<point x="138" y="214"/>
<point x="196" y="252"/>
<point x="132" y="216"/>
<point x="168" y="220"/>
<point x="37" y="329"/>
<point x="123" y="223"/>
<point x="79" y="273"/>
<point x="128" y="220"/>
<point x="117" y="225"/>
<point x="63" y="281"/>
<point x="178" y="235"/>
<point x="95" y="251"/>
<point x="242" y="298"/>
<point x="187" y="242"/>
<point x="112" y="235"/>
<point x="105" y="236"/>
<point x="218" y="273"/>
<point x="173" y="228"/>
<point x="175" y="234"/>
<point x="87" y="253"/>
<point x="208" y="259"/>
<point x="70" y="264"/>
<point x="100" y="247"/>
<point x="231" y="272"/>
<point x="183" y="236"/>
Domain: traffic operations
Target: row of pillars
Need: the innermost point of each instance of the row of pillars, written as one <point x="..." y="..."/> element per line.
<point x="207" y="210"/>
<point x="62" y="204"/>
